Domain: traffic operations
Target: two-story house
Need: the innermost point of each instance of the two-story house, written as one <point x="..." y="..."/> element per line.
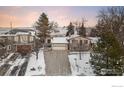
<point x="20" y="40"/>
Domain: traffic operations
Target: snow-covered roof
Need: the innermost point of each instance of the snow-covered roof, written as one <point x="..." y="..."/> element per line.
<point x="26" y="33"/>
<point x="93" y="39"/>
<point x="76" y="36"/>
<point x="59" y="40"/>
<point x="6" y="35"/>
<point x="22" y="33"/>
<point x="16" y="30"/>
<point x="73" y="36"/>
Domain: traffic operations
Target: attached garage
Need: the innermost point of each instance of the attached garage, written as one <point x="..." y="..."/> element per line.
<point x="59" y="46"/>
<point x="24" y="48"/>
<point x="59" y="43"/>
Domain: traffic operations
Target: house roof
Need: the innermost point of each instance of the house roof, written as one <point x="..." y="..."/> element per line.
<point x="76" y="36"/>
<point x="73" y="36"/>
<point x="23" y="30"/>
<point x="22" y="33"/>
<point x="19" y="31"/>
<point x="93" y="39"/>
<point x="59" y="40"/>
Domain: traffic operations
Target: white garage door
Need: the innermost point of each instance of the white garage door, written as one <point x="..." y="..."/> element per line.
<point x="59" y="47"/>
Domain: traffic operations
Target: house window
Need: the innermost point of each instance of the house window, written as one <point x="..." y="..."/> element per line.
<point x="85" y="41"/>
<point x="48" y="41"/>
<point x="16" y="38"/>
<point x="24" y="38"/>
<point x="81" y="42"/>
<point x="31" y="38"/>
<point x="9" y="47"/>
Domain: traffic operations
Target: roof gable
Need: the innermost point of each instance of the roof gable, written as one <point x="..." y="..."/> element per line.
<point x="78" y="37"/>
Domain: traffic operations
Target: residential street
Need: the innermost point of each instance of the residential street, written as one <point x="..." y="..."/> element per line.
<point x="57" y="63"/>
<point x="14" y="65"/>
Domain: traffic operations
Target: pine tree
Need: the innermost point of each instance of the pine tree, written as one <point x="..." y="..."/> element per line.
<point x="42" y="25"/>
<point x="93" y="32"/>
<point x="70" y="29"/>
<point x="108" y="55"/>
<point x="82" y="30"/>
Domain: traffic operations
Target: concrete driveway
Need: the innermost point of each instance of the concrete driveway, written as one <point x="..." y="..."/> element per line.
<point x="57" y="63"/>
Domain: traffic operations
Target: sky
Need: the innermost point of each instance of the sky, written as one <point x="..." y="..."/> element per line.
<point x="26" y="16"/>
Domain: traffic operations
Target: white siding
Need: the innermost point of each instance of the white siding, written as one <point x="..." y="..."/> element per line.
<point x="23" y="38"/>
<point x="31" y="38"/>
<point x="16" y="39"/>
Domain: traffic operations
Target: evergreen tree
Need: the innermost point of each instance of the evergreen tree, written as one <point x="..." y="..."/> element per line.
<point x="107" y="55"/>
<point x="42" y="25"/>
<point x="93" y="32"/>
<point x="70" y="29"/>
<point x="82" y="30"/>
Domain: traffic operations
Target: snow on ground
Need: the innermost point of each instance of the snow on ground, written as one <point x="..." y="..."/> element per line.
<point x="36" y="66"/>
<point x="7" y="58"/>
<point x="18" y="62"/>
<point x="80" y="67"/>
<point x="3" y="61"/>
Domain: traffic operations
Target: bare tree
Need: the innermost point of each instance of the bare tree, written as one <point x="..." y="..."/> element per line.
<point x="112" y="19"/>
<point x="53" y="25"/>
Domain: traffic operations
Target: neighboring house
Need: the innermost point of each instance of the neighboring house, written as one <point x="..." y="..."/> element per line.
<point x="24" y="42"/>
<point x="59" y="43"/>
<point x="79" y="43"/>
<point x="7" y="41"/>
<point x="19" y="40"/>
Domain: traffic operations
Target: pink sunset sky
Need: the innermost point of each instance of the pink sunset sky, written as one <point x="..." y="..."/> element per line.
<point x="26" y="16"/>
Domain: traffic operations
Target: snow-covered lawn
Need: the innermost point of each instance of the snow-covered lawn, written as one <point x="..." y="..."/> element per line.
<point x="80" y="67"/>
<point x="36" y="66"/>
